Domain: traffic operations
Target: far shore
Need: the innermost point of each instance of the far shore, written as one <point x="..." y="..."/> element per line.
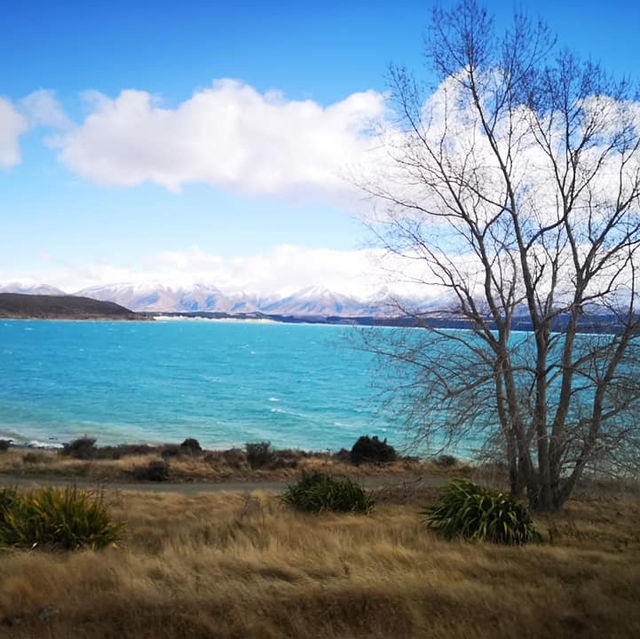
<point x="240" y="320"/>
<point x="189" y="470"/>
<point x="166" y="464"/>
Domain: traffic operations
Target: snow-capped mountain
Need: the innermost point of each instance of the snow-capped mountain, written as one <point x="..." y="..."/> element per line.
<point x="318" y="301"/>
<point x="156" y="297"/>
<point x="310" y="301"/>
<point x="29" y="288"/>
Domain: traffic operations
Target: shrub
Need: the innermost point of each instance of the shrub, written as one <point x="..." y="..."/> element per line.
<point x="343" y="455"/>
<point x="234" y="457"/>
<point x="282" y="461"/>
<point x="4" y="445"/>
<point x="190" y="446"/>
<point x="317" y="492"/>
<point x="469" y="511"/>
<point x="259" y="454"/>
<point x="83" y="448"/>
<point x="171" y="450"/>
<point x="56" y="518"/>
<point x="372" y="450"/>
<point x="35" y="457"/>
<point x="153" y="471"/>
<point x="446" y="461"/>
<point x="122" y="450"/>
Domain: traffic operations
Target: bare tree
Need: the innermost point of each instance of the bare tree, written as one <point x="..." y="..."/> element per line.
<point x="515" y="188"/>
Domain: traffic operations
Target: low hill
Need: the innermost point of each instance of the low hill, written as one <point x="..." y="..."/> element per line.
<point x="21" y="306"/>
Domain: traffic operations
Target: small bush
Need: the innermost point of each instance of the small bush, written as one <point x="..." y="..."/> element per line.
<point x="343" y="455"/>
<point x="190" y="446"/>
<point x="234" y="457"/>
<point x="372" y="450"/>
<point x="122" y="450"/>
<point x="153" y="471"/>
<point x="317" y="492"/>
<point x="83" y="448"/>
<point x="171" y="450"/>
<point x="4" y="445"/>
<point x="56" y="518"/>
<point x="282" y="461"/>
<point x="259" y="454"/>
<point x="35" y="457"/>
<point x="446" y="461"/>
<point x="469" y="511"/>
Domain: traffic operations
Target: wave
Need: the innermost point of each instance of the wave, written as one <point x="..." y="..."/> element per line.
<point x="35" y="443"/>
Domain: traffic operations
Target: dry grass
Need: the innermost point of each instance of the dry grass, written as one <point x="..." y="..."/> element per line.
<point x="229" y="565"/>
<point x="42" y="463"/>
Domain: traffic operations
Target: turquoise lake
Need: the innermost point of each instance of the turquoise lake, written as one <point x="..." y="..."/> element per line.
<point x="224" y="383"/>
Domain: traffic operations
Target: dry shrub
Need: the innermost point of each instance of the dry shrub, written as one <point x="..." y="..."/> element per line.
<point x="372" y="450"/>
<point x="234" y="457"/>
<point x="446" y="461"/>
<point x="259" y="454"/>
<point x="83" y="448"/>
<point x="154" y="471"/>
<point x="190" y="446"/>
<point x="36" y="457"/>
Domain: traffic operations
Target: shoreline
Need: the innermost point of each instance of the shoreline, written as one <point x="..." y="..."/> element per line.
<point x="140" y="320"/>
<point x="465" y="457"/>
<point x="188" y="463"/>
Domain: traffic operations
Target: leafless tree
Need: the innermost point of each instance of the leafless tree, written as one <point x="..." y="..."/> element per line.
<point x="515" y="188"/>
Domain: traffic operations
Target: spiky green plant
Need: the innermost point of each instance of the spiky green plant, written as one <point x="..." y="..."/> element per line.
<point x="317" y="492"/>
<point x="469" y="511"/>
<point x="8" y="497"/>
<point x="56" y="518"/>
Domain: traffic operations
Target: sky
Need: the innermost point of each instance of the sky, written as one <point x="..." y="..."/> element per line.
<point x="184" y="141"/>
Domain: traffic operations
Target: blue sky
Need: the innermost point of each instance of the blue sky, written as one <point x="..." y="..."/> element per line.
<point x="71" y="218"/>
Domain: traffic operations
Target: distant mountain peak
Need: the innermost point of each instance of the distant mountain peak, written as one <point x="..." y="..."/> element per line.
<point x="29" y="288"/>
<point x="309" y="301"/>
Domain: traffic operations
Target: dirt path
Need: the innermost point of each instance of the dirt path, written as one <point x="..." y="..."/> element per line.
<point x="195" y="488"/>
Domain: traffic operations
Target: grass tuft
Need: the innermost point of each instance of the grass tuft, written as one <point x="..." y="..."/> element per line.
<point x="469" y="511"/>
<point x="56" y="519"/>
<point x="317" y="492"/>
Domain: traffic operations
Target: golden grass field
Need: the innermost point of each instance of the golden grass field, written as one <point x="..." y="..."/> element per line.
<point x="232" y="565"/>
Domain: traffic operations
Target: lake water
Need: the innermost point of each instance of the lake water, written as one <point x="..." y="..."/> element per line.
<point x="224" y="383"/>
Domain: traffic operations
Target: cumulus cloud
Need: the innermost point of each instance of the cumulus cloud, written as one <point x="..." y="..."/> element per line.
<point x="42" y="108"/>
<point x="12" y="126"/>
<point x="228" y="135"/>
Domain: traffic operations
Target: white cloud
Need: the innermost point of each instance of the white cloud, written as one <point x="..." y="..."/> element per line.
<point x="12" y="126"/>
<point x="228" y="134"/>
<point x="283" y="270"/>
<point x="41" y="108"/>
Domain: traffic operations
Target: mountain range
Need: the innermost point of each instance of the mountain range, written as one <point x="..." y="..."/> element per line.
<point x="313" y="301"/>
<point x="311" y="304"/>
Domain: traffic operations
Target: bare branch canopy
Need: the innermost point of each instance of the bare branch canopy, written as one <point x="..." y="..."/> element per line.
<point x="513" y="189"/>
